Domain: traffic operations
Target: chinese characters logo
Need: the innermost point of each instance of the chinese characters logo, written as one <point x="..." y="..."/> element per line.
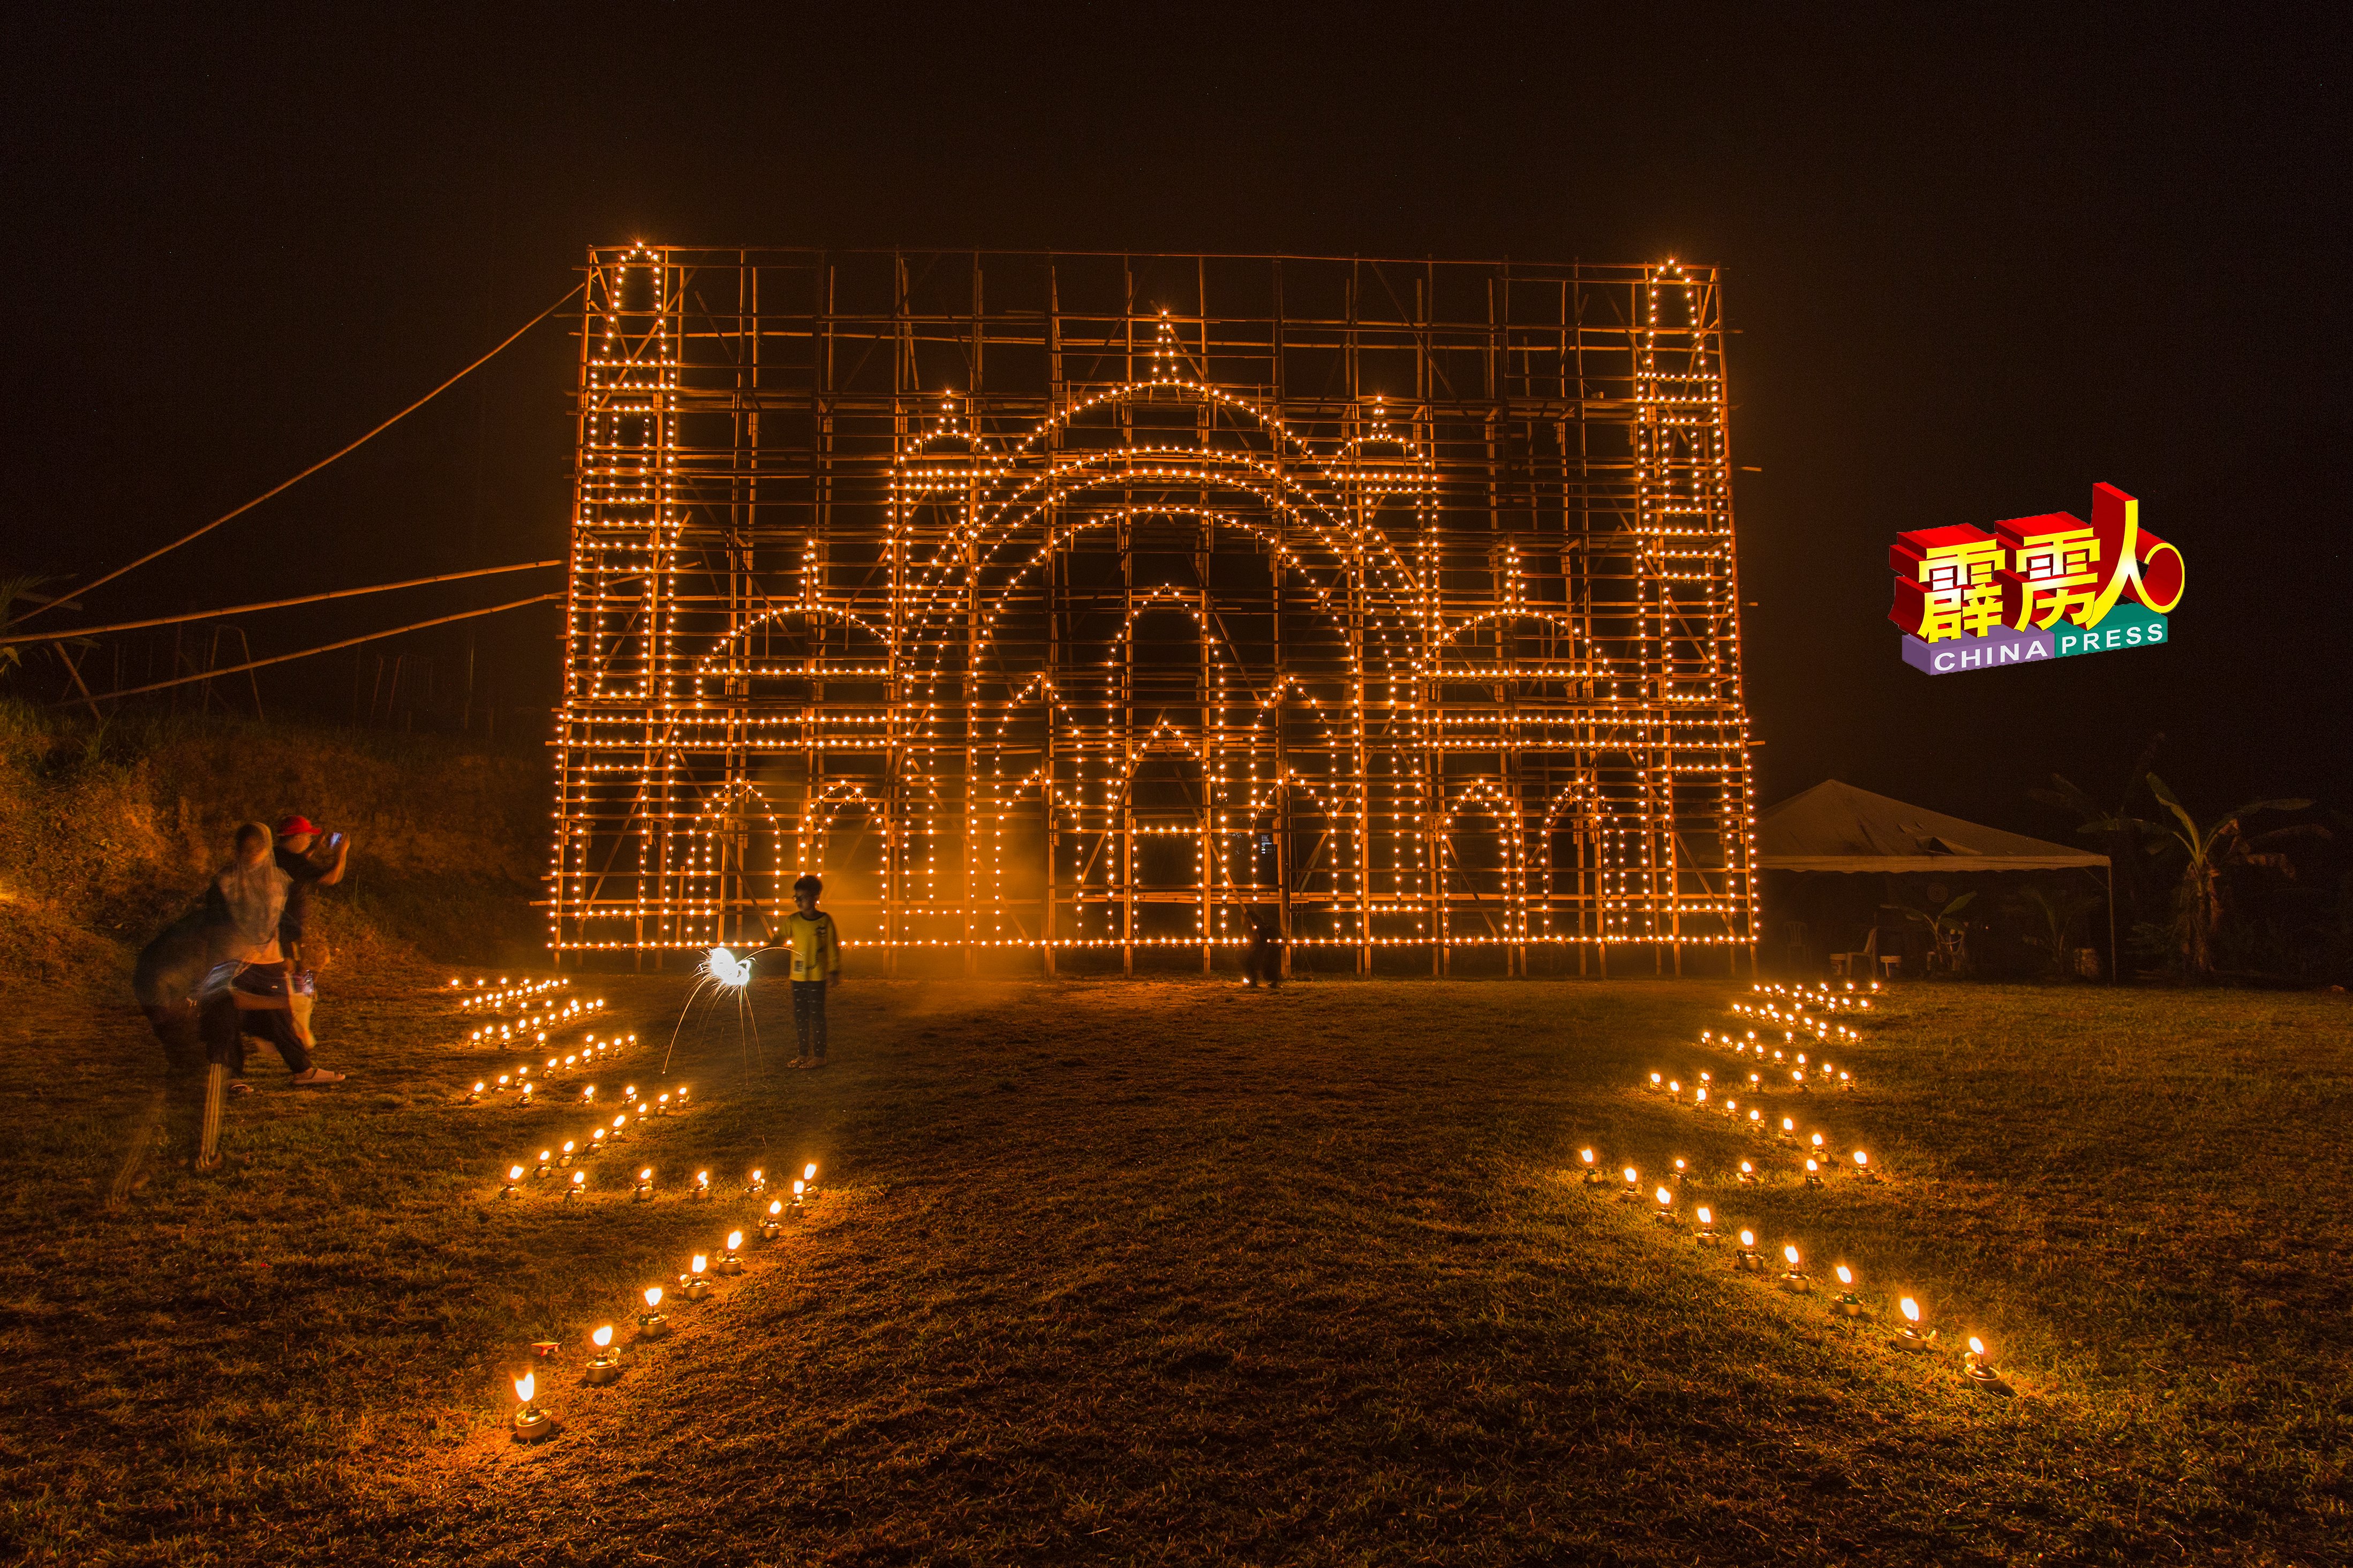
<point x="2036" y="587"/>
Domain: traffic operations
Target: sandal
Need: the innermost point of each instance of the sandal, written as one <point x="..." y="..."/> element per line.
<point x="317" y="1078"/>
<point x="240" y="1088"/>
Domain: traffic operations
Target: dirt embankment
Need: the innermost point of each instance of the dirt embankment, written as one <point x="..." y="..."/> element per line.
<point x="108" y="832"/>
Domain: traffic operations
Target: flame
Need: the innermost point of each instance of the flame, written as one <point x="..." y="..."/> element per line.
<point x="1861" y="1158"/>
<point x="776" y="1208"/>
<point x="1665" y="1197"/>
<point x="759" y="1175"/>
<point x="646" y="1175"/>
<point x="515" y="1173"/>
<point x="1706" y="1218"/>
<point x="602" y="1336"/>
<point x="796" y="1189"/>
<point x="703" y="1178"/>
<point x="701" y="1263"/>
<point x="546" y="1155"/>
<point x="528" y="1380"/>
<point x="1976" y="1346"/>
<point x="653" y="1297"/>
<point x="1911" y="1310"/>
<point x="1587" y="1155"/>
<point x="567" y="1145"/>
<point x="480" y="1087"/>
<point x="734" y="1239"/>
<point x="1633" y="1176"/>
<point x="1846" y="1275"/>
<point x="579" y="1178"/>
<point x="727" y="969"/>
<point x="1747" y="1238"/>
<point x="1746" y="1169"/>
<point x="1792" y="1254"/>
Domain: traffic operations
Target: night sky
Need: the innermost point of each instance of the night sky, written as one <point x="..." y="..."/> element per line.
<point x="1974" y="269"/>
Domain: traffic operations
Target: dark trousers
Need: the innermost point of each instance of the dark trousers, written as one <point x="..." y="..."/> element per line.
<point x="808" y="1016"/>
<point x="225" y="1024"/>
<point x="1262" y="963"/>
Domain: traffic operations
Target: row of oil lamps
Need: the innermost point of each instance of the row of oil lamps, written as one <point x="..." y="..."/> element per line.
<point x="601" y="1138"/>
<point x="533" y="1424"/>
<point x="495" y="996"/>
<point x="530" y="1026"/>
<point x="592" y="1051"/>
<point x="1747" y="1259"/>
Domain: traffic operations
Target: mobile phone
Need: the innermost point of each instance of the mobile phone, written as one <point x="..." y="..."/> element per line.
<point x="334" y="840"/>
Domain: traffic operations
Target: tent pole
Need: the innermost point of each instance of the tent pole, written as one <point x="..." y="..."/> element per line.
<point x="2112" y="922"/>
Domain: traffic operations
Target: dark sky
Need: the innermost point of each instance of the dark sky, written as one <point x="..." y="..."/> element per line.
<point x="1977" y="266"/>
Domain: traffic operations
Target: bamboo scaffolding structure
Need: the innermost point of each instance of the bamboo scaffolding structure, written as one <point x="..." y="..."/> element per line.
<point x="1083" y="604"/>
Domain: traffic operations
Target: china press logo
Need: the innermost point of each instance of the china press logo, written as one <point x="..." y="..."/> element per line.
<point x="2036" y="587"/>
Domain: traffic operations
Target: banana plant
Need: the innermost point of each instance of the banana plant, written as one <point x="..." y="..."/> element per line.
<point x="2222" y="846"/>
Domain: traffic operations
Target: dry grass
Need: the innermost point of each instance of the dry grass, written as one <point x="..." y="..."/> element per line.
<point x="1170" y="1272"/>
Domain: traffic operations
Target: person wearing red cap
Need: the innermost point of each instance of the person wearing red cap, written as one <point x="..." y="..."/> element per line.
<point x="295" y="837"/>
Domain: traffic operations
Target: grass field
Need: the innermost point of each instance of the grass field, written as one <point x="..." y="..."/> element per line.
<point x="1170" y="1272"/>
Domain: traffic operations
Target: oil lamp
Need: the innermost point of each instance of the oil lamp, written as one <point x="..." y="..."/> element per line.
<point x="1813" y="1172"/>
<point x="661" y="1105"/>
<point x="1819" y="1150"/>
<point x="1678" y="1178"/>
<point x="564" y="1160"/>
<point x="1793" y="1278"/>
<point x="530" y="1423"/>
<point x="629" y="1093"/>
<point x="474" y="1095"/>
<point x="1980" y="1371"/>
<point x="1666" y="1214"/>
<point x="515" y="1175"/>
<point x="682" y="1097"/>
<point x="757" y="1184"/>
<point x="1756" y="1119"/>
<point x="503" y="1081"/>
<point x="801" y="1186"/>
<point x="604" y="1366"/>
<point x="579" y="1183"/>
<point x="596" y="1142"/>
<point x="1654" y="1080"/>
<point x="1748" y="1172"/>
<point x="1844" y="1081"/>
<point x="1848" y="1305"/>
<point x="729" y="1264"/>
<point x="1699" y="1100"/>
<point x="1631" y="1191"/>
<point x="1674" y="1087"/>
<point x="652" y="1324"/>
<point x="771" y="1227"/>
<point x="809" y="1177"/>
<point x="1863" y="1168"/>
<point x="692" y="1285"/>
<point x="619" y="1123"/>
<point x="1789" y="1130"/>
<point x="644" y="1191"/>
<point x="547" y="1161"/>
<point x="701" y="1188"/>
<point x="1593" y="1177"/>
<point x="1706" y="1219"/>
<point x="588" y="1095"/>
<point x="526" y="1091"/>
<point x="1909" y="1337"/>
<point x="1745" y="1259"/>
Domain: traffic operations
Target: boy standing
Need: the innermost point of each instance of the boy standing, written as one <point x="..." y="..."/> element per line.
<point x="817" y="963"/>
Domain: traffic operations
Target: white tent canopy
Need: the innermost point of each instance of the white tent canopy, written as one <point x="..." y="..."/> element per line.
<point x="1835" y="827"/>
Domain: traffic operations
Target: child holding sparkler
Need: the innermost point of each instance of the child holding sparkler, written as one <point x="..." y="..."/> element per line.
<point x="815" y="948"/>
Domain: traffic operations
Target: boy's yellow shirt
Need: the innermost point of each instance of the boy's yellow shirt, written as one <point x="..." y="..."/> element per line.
<point x="815" y="948"/>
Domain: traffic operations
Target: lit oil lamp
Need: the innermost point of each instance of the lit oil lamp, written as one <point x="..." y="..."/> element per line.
<point x="1655" y="1081"/>
<point x="692" y="1285"/>
<point x="563" y="1160"/>
<point x="503" y="1082"/>
<point x="1706" y="1218"/>
<point x="1789" y="1130"/>
<point x="1793" y="1278"/>
<point x="652" y="1324"/>
<point x="661" y="1105"/>
<point x="1756" y="1119"/>
<point x="515" y="1175"/>
<point x="701" y="1188"/>
<point x="1818" y="1146"/>
<point x="1632" y="1189"/>
<point x="1593" y="1177"/>
<point x="644" y="1191"/>
<point x="1848" y="1305"/>
<point x="530" y="1423"/>
<point x="1813" y="1172"/>
<point x="629" y="1094"/>
<point x="1909" y="1337"/>
<point x="474" y="1095"/>
<point x="605" y="1366"/>
<point x="1982" y="1371"/>
<point x="1678" y="1178"/>
<point x="774" y="1226"/>
<point x="1747" y="1173"/>
<point x="579" y="1185"/>
<point x="1862" y="1170"/>
<point x="809" y="1177"/>
<point x="526" y="1091"/>
<point x="729" y="1263"/>
<point x="1699" y="1100"/>
<point x="546" y="1162"/>
<point x="1674" y="1088"/>
<point x="1745" y="1259"/>
<point x="682" y="1097"/>
<point x="619" y="1122"/>
<point x="1666" y="1210"/>
<point x="757" y="1184"/>
<point x="588" y="1095"/>
<point x="1844" y="1081"/>
<point x="595" y="1143"/>
<point x="800" y="1190"/>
